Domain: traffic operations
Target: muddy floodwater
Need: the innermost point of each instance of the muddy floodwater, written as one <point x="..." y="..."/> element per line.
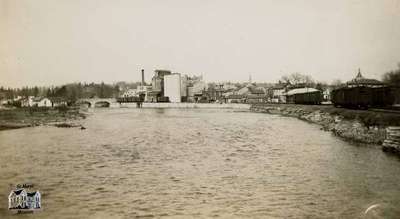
<point x="197" y="163"/>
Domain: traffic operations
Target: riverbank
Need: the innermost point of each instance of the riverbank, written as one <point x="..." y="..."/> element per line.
<point x="28" y="117"/>
<point x="360" y="126"/>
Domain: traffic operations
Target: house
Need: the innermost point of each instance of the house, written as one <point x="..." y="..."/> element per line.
<point x="21" y="199"/>
<point x="327" y="94"/>
<point x="257" y="91"/>
<point x="254" y="98"/>
<point x="3" y="102"/>
<point x="17" y="199"/>
<point x="235" y="98"/>
<point x="244" y="90"/>
<point x="214" y="93"/>
<point x="27" y="101"/>
<point x="42" y="102"/>
<point x="229" y="86"/>
<point x="227" y="93"/>
<point x="33" y="200"/>
<point x="278" y="93"/>
<point x="58" y="101"/>
<point x="251" y="89"/>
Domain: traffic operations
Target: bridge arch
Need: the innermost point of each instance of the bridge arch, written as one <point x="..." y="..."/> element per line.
<point x="102" y="103"/>
<point x="85" y="103"/>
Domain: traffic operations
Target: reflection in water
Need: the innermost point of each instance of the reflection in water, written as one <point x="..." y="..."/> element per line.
<point x="198" y="163"/>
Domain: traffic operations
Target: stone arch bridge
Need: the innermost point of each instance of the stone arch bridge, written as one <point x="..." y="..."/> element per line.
<point x="98" y="102"/>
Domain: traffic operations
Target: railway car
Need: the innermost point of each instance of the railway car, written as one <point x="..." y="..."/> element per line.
<point x="304" y="96"/>
<point x="362" y="97"/>
<point x="383" y="96"/>
<point x="308" y="98"/>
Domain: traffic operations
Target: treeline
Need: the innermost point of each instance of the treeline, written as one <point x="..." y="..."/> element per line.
<point x="70" y="92"/>
<point x="391" y="78"/>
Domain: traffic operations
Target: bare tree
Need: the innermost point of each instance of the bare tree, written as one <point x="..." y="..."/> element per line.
<point x="393" y="77"/>
<point x="297" y="79"/>
<point x="336" y="83"/>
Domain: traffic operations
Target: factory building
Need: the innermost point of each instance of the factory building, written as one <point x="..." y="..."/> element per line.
<point x="158" y="80"/>
<point x="172" y="87"/>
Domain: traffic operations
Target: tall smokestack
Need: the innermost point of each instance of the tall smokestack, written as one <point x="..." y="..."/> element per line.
<point x="142" y="77"/>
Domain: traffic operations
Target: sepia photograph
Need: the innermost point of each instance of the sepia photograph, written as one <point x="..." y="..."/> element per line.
<point x="199" y="109"/>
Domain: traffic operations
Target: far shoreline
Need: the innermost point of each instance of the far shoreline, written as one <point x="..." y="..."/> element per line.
<point x="183" y="105"/>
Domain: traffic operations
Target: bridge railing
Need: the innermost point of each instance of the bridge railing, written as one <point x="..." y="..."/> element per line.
<point x="129" y="100"/>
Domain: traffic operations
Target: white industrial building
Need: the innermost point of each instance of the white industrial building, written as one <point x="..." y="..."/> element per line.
<point x="130" y="93"/>
<point x="172" y="87"/>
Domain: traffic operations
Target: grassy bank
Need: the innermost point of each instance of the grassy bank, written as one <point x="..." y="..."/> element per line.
<point x="28" y="117"/>
<point x="363" y="126"/>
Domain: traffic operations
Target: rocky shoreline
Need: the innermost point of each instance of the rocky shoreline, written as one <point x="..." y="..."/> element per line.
<point x="356" y="126"/>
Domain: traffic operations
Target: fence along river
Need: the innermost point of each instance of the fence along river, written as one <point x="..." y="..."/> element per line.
<point x="197" y="163"/>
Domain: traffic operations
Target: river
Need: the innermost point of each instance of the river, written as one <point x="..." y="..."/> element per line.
<point x="196" y="163"/>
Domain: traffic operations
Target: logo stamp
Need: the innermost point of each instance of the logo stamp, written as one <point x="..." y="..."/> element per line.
<point x="24" y="199"/>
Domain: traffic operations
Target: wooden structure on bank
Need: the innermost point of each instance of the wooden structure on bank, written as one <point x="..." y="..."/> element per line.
<point x="392" y="141"/>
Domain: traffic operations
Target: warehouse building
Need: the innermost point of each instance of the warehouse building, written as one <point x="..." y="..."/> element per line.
<point x="172" y="87"/>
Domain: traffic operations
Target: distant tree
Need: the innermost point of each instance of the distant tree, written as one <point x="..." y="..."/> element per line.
<point x="25" y="92"/>
<point x="298" y="79"/>
<point x="102" y="92"/>
<point x="61" y="92"/>
<point x="116" y="91"/>
<point x="49" y="92"/>
<point x="393" y="77"/>
<point x="3" y="93"/>
<point x="336" y="83"/>
<point x="321" y="86"/>
<point x="35" y="91"/>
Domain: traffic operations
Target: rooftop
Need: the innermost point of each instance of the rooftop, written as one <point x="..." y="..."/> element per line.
<point x="31" y="193"/>
<point x="279" y="86"/>
<point x="302" y="91"/>
<point x="235" y="96"/>
<point x="37" y="99"/>
<point x="360" y="80"/>
<point x="254" y="97"/>
<point x="255" y="90"/>
<point x="17" y="192"/>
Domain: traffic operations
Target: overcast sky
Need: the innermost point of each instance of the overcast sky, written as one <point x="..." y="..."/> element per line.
<point x="46" y="42"/>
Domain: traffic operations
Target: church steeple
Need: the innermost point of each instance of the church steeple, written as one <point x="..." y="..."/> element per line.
<point x="359" y="74"/>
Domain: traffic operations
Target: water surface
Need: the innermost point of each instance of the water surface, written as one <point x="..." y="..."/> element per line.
<point x="196" y="163"/>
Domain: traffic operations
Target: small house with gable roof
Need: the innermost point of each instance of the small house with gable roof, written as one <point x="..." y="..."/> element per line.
<point x="33" y="200"/>
<point x="17" y="199"/>
<point x="42" y="102"/>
